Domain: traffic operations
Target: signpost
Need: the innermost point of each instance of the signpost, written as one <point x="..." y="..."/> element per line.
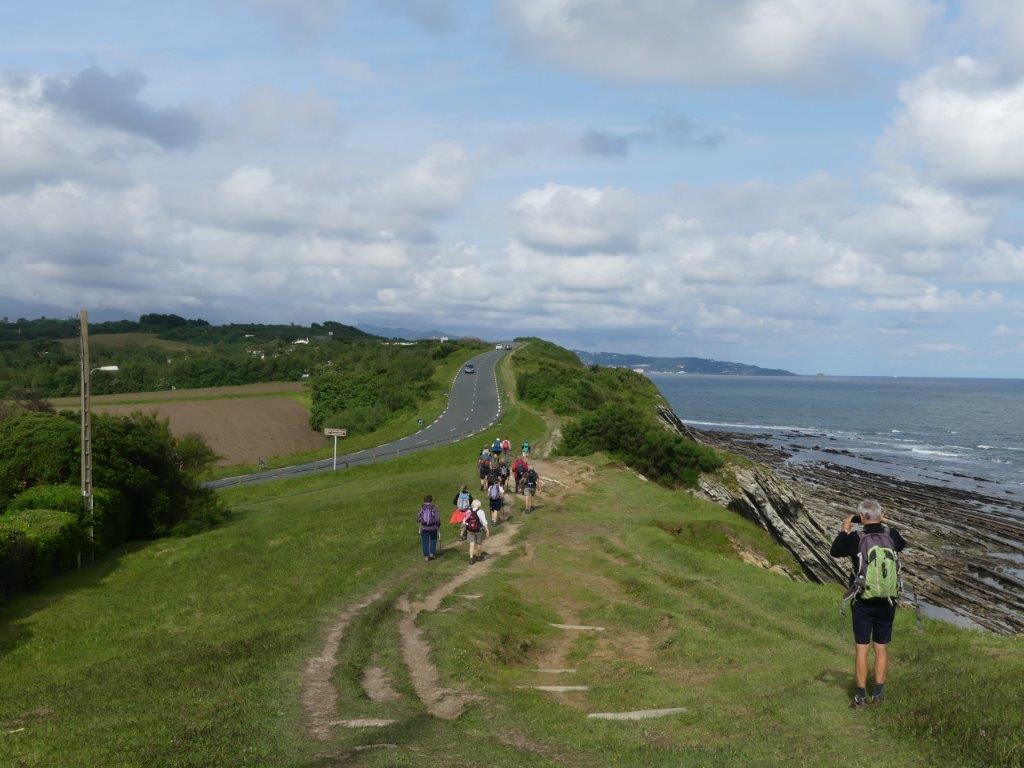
<point x="335" y="433"/>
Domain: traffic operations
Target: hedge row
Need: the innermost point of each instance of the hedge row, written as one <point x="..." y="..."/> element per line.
<point x="35" y="544"/>
<point x="110" y="513"/>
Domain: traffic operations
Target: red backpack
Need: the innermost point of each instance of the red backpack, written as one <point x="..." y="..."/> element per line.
<point x="472" y="521"/>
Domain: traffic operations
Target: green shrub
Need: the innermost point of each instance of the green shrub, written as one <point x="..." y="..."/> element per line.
<point x="110" y="514"/>
<point x="55" y="541"/>
<point x="630" y="435"/>
<point x="154" y="474"/>
<point x="15" y="557"/>
<point x="358" y="419"/>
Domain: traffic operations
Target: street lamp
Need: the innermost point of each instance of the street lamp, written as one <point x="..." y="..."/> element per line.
<point x="86" y="416"/>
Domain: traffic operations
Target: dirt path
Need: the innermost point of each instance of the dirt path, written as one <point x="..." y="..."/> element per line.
<point x="442" y="702"/>
<point x="319" y="697"/>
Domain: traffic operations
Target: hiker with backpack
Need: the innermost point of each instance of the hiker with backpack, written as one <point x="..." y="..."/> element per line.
<point x="526" y="448"/>
<point x="506" y="447"/>
<point x="475" y="530"/>
<point x="430" y="523"/>
<point x="462" y="501"/>
<point x="496" y="448"/>
<point x="503" y="474"/>
<point x="874" y="589"/>
<point x="483" y="466"/>
<point x="519" y="467"/>
<point x="531" y="483"/>
<point x="496" y="495"/>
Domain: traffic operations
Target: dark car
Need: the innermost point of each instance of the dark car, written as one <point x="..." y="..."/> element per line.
<point x="470" y="368"/>
<point x="508" y="346"/>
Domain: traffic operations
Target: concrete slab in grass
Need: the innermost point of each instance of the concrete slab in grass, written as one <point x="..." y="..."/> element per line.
<point x="640" y="714"/>
<point x="578" y="627"/>
<point x="557" y="688"/>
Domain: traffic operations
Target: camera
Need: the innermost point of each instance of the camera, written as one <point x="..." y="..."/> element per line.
<point x="856" y="520"/>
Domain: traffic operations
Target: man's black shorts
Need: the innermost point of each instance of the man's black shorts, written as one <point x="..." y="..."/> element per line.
<point x="872" y="620"/>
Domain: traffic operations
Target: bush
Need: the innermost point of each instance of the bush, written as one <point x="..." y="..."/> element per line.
<point x="154" y="474"/>
<point x="110" y="514"/>
<point x="359" y="419"/>
<point x="54" y="543"/>
<point x="15" y="557"/>
<point x="628" y="434"/>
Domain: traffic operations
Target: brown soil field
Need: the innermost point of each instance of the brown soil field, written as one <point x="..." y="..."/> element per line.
<point x="203" y="393"/>
<point x="240" y="430"/>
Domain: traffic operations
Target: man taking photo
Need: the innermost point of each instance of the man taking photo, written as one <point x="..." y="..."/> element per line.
<point x="874" y="589"/>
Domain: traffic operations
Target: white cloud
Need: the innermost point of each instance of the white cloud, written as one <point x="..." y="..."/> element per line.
<point x="964" y="120"/>
<point x="559" y="218"/>
<point x="936" y="300"/>
<point x="716" y="41"/>
<point x="1000" y="262"/>
<point x="434" y="184"/>
<point x="915" y="215"/>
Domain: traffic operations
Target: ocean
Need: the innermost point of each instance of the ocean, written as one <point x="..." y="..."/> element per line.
<point x="956" y="433"/>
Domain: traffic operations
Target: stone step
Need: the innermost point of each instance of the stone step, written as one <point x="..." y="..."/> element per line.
<point x="578" y="627"/>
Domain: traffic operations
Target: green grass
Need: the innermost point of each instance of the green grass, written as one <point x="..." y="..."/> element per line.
<point x="188" y="652"/>
<point x="761" y="662"/>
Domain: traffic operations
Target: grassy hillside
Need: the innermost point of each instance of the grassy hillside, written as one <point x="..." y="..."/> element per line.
<point x="612" y="410"/>
<point x="191" y="652"/>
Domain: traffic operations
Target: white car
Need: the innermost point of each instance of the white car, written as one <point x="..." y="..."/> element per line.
<point x="499" y="346"/>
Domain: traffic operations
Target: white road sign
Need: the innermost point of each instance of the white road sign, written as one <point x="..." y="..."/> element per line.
<point x="331" y="432"/>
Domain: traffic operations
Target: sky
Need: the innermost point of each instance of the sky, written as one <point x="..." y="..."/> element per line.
<point x="818" y="185"/>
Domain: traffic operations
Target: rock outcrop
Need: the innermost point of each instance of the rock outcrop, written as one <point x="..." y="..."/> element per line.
<point x="962" y="545"/>
<point x="761" y="497"/>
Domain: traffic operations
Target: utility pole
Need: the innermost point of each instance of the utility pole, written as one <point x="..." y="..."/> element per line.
<point x="86" y="425"/>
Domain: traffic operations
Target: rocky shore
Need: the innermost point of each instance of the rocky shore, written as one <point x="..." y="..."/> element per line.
<point x="966" y="557"/>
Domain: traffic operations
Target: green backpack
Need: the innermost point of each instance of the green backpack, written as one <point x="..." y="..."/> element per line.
<point x="878" y="567"/>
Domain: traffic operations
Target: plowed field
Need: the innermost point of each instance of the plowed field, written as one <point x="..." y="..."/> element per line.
<point x="240" y="430"/>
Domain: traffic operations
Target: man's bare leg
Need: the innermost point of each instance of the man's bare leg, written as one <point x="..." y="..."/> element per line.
<point x="881" y="662"/>
<point x="861" y="665"/>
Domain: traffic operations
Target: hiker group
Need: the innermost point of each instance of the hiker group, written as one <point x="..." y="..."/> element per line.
<point x="499" y="476"/>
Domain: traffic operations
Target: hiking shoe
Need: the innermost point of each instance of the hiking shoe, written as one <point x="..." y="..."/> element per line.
<point x="859" y="702"/>
<point x="878" y="698"/>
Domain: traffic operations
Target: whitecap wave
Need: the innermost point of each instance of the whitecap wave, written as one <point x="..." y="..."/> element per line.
<point x="921" y="451"/>
<point x="781" y="427"/>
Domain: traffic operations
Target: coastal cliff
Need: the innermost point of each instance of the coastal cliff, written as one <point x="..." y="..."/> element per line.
<point x="949" y="570"/>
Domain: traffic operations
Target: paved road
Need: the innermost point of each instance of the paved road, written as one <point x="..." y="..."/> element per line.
<point x="473" y="405"/>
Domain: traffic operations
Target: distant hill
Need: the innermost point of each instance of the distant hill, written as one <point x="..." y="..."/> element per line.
<point x="402" y="333"/>
<point x="175" y="328"/>
<point x="678" y="364"/>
